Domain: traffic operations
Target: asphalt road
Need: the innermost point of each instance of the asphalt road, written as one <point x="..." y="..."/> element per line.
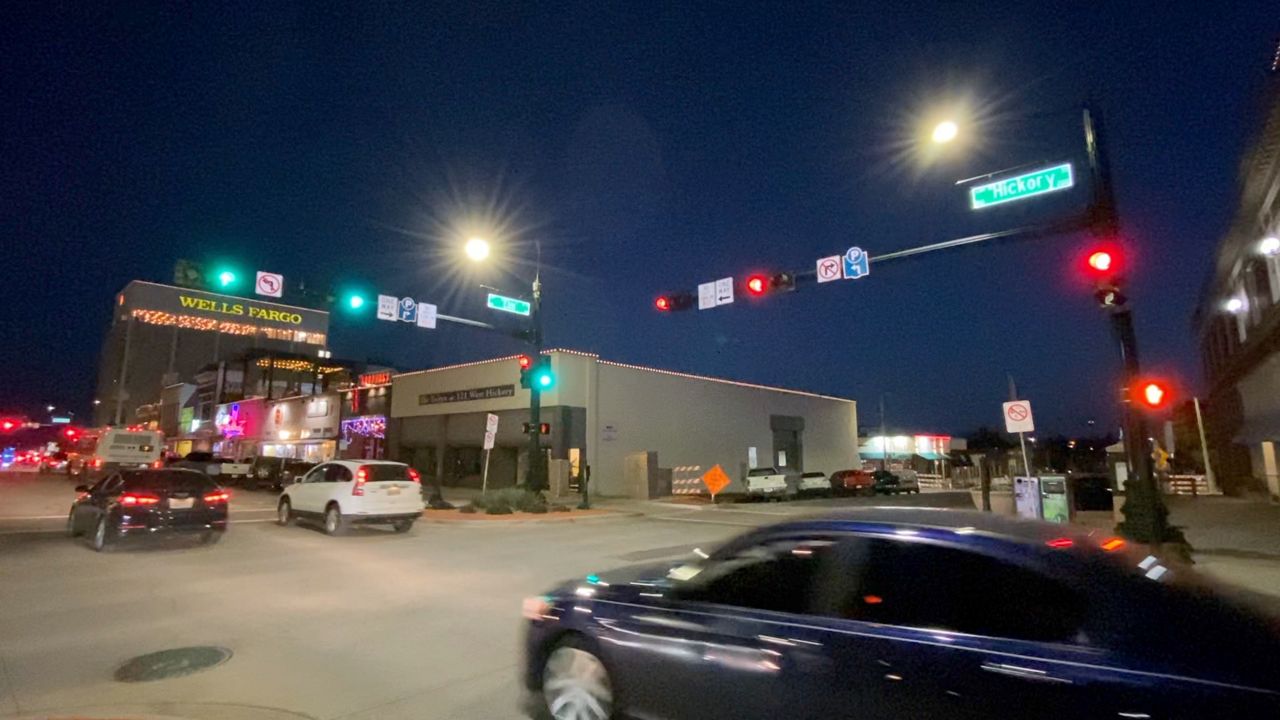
<point x="373" y="625"/>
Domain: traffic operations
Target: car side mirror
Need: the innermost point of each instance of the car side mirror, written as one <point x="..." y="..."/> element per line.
<point x="82" y="488"/>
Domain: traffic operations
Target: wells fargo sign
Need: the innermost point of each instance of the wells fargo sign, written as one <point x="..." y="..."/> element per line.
<point x="141" y="295"/>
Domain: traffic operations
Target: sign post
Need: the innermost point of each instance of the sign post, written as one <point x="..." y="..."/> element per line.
<point x="490" y="435"/>
<point x="1017" y="419"/>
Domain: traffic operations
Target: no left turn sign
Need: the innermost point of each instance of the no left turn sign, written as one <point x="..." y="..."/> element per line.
<point x="1017" y="417"/>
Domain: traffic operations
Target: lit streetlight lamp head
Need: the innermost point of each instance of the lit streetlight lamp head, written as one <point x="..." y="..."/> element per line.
<point x="945" y="132"/>
<point x="49" y="408"/>
<point x="1270" y="245"/>
<point x="477" y="248"/>
<point x="1234" y="305"/>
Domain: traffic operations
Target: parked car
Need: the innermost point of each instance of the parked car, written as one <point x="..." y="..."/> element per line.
<point x="147" y="503"/>
<point x="767" y="482"/>
<point x="276" y="472"/>
<point x="893" y="483"/>
<point x="343" y="493"/>
<point x="224" y="471"/>
<point x="811" y="482"/>
<point x="901" y="613"/>
<point x="853" y="481"/>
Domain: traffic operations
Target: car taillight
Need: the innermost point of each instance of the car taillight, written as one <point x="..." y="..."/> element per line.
<point x="96" y="463"/>
<point x="214" y="498"/>
<point x="362" y="477"/>
<point x="158" y="464"/>
<point x="131" y="500"/>
<point x="414" y="476"/>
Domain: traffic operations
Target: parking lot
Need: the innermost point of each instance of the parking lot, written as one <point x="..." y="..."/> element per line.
<point x="372" y="625"/>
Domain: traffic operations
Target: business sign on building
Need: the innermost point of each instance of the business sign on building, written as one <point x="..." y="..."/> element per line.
<point x="484" y="393"/>
<point x="199" y="310"/>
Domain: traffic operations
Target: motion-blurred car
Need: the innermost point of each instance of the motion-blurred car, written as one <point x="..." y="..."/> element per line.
<point x="146" y="503"/>
<point x="55" y="462"/>
<point x="276" y="473"/>
<point x="853" y="482"/>
<point x="901" y="613"/>
<point x="342" y="493"/>
<point x="894" y="483"/>
<point x="813" y="482"/>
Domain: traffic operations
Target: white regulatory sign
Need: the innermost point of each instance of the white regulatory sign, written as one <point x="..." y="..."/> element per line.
<point x="724" y="291"/>
<point x="269" y="284"/>
<point x="829" y="268"/>
<point x="489" y="440"/>
<point x="1017" y="417"/>
<point x="706" y="295"/>
<point x="387" y="307"/>
<point x="491" y="423"/>
<point x="426" y="315"/>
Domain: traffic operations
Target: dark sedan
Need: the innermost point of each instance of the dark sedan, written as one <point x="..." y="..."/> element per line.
<point x="902" y="613"/>
<point x="147" y="503"/>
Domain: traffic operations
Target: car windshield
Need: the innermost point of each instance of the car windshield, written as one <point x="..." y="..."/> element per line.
<point x="387" y="472"/>
<point x="167" y="480"/>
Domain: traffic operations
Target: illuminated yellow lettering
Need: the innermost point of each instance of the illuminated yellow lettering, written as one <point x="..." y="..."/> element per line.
<point x="237" y="309"/>
<point x="188" y="301"/>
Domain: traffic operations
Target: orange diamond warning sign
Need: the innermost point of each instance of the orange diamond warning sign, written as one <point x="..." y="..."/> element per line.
<point x="716" y="480"/>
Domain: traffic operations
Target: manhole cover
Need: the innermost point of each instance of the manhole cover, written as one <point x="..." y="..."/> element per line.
<point x="172" y="663"/>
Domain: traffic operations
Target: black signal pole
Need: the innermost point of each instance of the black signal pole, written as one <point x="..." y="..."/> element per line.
<point x="535" y="474"/>
<point x="1146" y="517"/>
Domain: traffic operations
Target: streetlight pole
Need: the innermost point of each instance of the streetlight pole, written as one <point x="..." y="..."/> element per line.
<point x="1144" y="510"/>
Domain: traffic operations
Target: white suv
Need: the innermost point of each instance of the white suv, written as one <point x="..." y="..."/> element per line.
<point x="342" y="493"/>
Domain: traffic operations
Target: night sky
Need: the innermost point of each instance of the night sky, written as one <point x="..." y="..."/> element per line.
<point x="648" y="146"/>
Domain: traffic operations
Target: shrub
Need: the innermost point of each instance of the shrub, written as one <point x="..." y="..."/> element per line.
<point x="498" y="509"/>
<point x="468" y="509"/>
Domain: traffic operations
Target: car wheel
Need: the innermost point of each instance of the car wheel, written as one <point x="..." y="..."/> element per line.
<point x="99" y="540"/>
<point x="71" y="524"/>
<point x="333" y="522"/>
<point x="402" y="526"/>
<point x="576" y="685"/>
<point x="284" y="513"/>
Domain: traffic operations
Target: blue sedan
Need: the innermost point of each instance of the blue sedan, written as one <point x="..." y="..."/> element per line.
<point x="901" y="613"/>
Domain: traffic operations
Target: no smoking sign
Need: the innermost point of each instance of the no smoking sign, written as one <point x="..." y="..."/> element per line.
<point x="1017" y="417"/>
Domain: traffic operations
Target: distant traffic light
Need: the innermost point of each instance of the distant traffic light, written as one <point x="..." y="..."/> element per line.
<point x="1103" y="265"/>
<point x="1152" y="394"/>
<point x="758" y="285"/>
<point x="71" y="433"/>
<point x="8" y="424"/>
<point x="543" y="377"/>
<point x="673" y="302"/>
<point x="526" y="371"/>
<point x="543" y="428"/>
<point x="1100" y="261"/>
<point x="525" y="362"/>
<point x="355" y="301"/>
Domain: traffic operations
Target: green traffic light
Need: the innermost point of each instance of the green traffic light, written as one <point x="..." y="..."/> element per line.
<point x="355" y="302"/>
<point x="546" y="379"/>
<point x="226" y="278"/>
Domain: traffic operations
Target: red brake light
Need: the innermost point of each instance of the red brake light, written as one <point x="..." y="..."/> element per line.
<point x="217" y="497"/>
<point x="1060" y="543"/>
<point x="159" y="463"/>
<point x="362" y="477"/>
<point x="414" y="476"/>
<point x="132" y="499"/>
<point x="96" y="463"/>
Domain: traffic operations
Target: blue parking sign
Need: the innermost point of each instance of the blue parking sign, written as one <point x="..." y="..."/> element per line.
<point x="407" y="311"/>
<point x="856" y="264"/>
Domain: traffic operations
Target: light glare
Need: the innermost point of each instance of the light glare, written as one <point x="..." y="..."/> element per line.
<point x="477" y="249"/>
<point x="945" y="132"/>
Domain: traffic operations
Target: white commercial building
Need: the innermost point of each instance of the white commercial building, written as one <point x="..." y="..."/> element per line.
<point x="630" y="424"/>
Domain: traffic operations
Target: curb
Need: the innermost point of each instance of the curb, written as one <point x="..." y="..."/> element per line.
<point x="562" y="518"/>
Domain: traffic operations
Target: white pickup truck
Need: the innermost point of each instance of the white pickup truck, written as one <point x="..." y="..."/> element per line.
<point x="767" y="482"/>
<point x="221" y="470"/>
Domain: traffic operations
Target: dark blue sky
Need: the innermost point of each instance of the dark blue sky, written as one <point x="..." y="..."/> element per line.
<point x="649" y="146"/>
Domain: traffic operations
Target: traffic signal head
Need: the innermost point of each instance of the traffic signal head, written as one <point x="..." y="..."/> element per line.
<point x="757" y="285"/>
<point x="226" y="278"/>
<point x="543" y="378"/>
<point x="1152" y="394"/>
<point x="673" y="302"/>
<point x="1100" y="261"/>
<point x="355" y="301"/>
<point x="1103" y="263"/>
<point x="525" y="362"/>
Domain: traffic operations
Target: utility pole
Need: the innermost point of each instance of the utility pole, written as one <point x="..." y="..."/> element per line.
<point x="1144" y="510"/>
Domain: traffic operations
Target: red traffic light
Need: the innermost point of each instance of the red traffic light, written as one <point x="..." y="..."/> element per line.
<point x="1101" y="261"/>
<point x="663" y="303"/>
<point x="7" y="424"/>
<point x="525" y="361"/>
<point x="71" y="433"/>
<point x="757" y="284"/>
<point x="1153" y="394"/>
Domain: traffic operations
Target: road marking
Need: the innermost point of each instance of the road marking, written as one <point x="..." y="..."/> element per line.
<point x="668" y="518"/>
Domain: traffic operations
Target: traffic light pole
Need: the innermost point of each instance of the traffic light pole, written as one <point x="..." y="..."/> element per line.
<point x="1144" y="510"/>
<point x="535" y="473"/>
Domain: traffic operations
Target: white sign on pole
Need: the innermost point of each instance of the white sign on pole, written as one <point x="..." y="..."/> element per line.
<point x="706" y="295"/>
<point x="489" y="438"/>
<point x="491" y="423"/>
<point x="829" y="268"/>
<point x="269" y="284"/>
<point x="753" y="460"/>
<point x="426" y="315"/>
<point x="1017" y="417"/>
<point x="724" y="291"/>
<point x="387" y="307"/>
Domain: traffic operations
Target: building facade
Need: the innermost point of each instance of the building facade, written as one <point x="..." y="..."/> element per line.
<point x="1237" y="321"/>
<point x="630" y="424"/>
<point x="163" y="335"/>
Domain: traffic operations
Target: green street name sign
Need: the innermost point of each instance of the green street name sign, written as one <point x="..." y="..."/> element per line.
<point x="511" y="305"/>
<point x="1042" y="181"/>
